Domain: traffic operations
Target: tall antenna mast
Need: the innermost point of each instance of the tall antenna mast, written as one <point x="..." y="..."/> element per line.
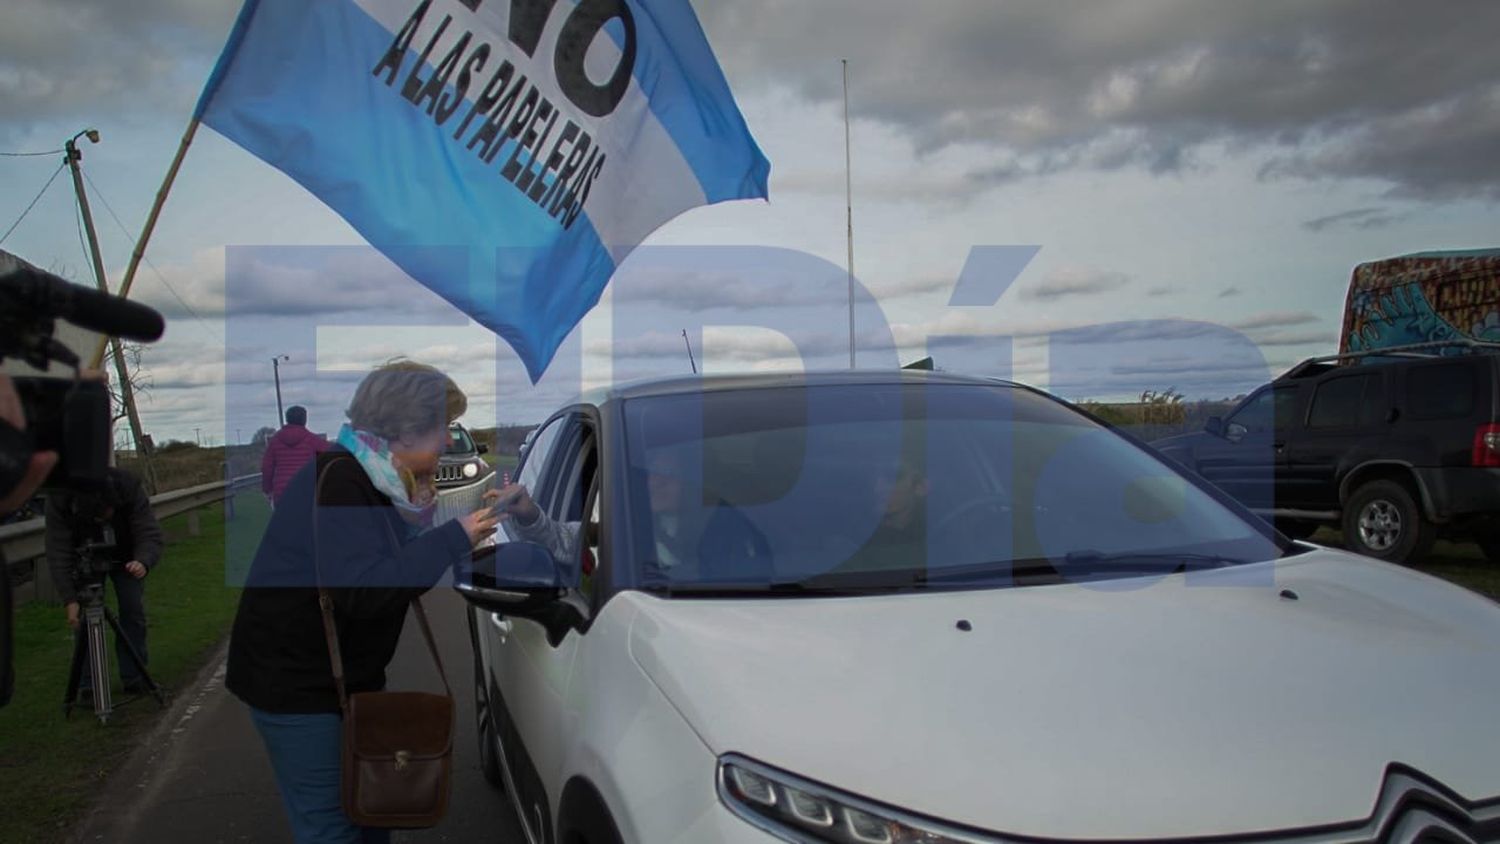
<point x="689" y="345"/>
<point x="849" y="207"/>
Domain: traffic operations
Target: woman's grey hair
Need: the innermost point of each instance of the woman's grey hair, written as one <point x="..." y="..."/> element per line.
<point x="404" y="399"/>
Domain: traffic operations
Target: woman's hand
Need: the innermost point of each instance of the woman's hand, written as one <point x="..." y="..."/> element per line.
<point x="480" y="524"/>
<point x="514" y="500"/>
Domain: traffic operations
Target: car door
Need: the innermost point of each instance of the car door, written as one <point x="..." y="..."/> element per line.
<point x="1246" y="459"/>
<point x="1346" y="422"/>
<point x="512" y="702"/>
<point x="533" y="669"/>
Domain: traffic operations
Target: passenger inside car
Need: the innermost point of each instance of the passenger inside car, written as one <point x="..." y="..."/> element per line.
<point x="697" y="534"/>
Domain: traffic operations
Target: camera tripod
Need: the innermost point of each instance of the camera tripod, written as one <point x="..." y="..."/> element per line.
<point x="90" y="644"/>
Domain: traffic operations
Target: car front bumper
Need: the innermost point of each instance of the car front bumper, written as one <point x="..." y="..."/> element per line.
<point x="456" y="501"/>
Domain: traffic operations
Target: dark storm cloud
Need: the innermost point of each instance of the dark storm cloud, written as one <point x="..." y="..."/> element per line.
<point x="1405" y="93"/>
<point x="1398" y="91"/>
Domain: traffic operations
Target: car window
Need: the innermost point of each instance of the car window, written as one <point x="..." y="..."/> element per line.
<point x="1444" y="391"/>
<point x="459" y="442"/>
<point x="1337" y="402"/>
<point x="588" y="545"/>
<point x="1271" y="408"/>
<point x="766" y="486"/>
<point x="578" y="470"/>
<point x="534" y="460"/>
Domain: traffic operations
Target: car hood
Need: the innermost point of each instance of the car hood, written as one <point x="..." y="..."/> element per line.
<point x="1269" y="696"/>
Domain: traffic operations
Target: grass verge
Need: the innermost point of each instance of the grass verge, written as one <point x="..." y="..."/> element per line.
<point x="52" y="766"/>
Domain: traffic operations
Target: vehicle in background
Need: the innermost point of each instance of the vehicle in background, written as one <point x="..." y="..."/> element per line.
<point x="888" y="607"/>
<point x="1423" y="298"/>
<point x="1397" y="447"/>
<point x="462" y="462"/>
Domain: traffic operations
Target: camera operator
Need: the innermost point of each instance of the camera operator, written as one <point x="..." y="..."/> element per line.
<point x="55" y="432"/>
<point x="113" y="529"/>
<point x="21" y="474"/>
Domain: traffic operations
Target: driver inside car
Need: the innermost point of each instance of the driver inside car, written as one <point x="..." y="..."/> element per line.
<point x="707" y="540"/>
<point x="898" y="510"/>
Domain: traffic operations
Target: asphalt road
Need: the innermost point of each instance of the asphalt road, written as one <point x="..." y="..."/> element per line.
<point x="204" y="776"/>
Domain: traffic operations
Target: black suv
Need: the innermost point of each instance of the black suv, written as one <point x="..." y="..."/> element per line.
<point x="1397" y="447"/>
<point x="461" y="463"/>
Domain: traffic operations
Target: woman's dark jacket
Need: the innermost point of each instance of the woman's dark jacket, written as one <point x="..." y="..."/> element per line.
<point x="278" y="656"/>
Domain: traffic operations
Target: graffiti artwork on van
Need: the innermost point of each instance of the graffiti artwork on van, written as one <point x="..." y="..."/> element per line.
<point x="1431" y="297"/>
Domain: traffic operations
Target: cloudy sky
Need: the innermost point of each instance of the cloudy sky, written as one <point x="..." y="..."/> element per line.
<point x="1196" y="180"/>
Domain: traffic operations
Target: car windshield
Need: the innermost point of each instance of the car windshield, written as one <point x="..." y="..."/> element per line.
<point x="810" y="489"/>
<point x="459" y="442"/>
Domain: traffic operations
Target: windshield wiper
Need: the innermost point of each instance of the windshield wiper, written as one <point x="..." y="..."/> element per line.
<point x="657" y="579"/>
<point x="790" y="588"/>
<point x="1166" y="562"/>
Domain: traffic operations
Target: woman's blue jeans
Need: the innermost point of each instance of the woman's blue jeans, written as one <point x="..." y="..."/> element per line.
<point x="306" y="754"/>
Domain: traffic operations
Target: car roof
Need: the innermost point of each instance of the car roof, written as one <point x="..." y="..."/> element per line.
<point x="685" y="384"/>
<point x="1317" y="367"/>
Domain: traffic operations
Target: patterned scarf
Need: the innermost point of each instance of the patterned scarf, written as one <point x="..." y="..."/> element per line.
<point x="416" y="502"/>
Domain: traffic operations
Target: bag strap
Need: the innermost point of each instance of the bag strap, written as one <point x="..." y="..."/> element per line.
<point x="330" y="630"/>
<point x="325" y="603"/>
<point x="416" y="605"/>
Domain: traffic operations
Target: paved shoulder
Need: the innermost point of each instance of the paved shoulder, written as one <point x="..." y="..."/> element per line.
<point x="203" y="776"/>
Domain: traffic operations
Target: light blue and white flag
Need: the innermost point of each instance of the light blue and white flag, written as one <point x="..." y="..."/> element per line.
<point x="543" y="139"/>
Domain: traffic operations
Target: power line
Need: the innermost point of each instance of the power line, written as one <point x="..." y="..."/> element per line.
<point x="28" y="154"/>
<point x="163" y="279"/>
<point x="34" y="201"/>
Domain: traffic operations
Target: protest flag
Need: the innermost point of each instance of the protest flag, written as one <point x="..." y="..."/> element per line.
<point x="546" y="139"/>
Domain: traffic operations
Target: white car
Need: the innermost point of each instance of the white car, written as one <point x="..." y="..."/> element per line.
<point x="894" y="608"/>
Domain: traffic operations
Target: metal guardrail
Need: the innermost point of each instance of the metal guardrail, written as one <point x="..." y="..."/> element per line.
<point x="25" y="542"/>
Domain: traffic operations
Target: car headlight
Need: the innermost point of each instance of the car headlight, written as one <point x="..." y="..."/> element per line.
<point x="799" y="810"/>
<point x="471" y="470"/>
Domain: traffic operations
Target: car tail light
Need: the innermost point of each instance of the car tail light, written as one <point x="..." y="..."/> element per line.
<point x="1487" y="446"/>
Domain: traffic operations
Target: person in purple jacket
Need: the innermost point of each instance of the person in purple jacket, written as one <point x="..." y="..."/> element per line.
<point x="287" y="452"/>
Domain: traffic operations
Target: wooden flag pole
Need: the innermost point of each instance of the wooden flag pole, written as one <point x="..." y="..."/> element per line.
<point x="140" y="244"/>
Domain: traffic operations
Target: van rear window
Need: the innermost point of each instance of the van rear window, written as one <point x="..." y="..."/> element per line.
<point x="1444" y="391"/>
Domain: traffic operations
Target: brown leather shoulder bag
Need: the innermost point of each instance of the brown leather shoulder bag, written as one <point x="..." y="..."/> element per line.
<point x="397" y="746"/>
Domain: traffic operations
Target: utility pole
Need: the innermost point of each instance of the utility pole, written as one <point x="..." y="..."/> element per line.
<point x="127" y="392"/>
<point x="198" y="437"/>
<point x="276" y="370"/>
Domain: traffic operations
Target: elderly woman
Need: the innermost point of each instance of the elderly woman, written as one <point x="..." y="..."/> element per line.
<point x="369" y="541"/>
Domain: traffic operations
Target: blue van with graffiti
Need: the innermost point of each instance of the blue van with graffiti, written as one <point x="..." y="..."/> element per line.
<point x="1428" y="297"/>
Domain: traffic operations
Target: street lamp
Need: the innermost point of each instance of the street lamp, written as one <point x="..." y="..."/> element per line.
<point x="276" y="370"/>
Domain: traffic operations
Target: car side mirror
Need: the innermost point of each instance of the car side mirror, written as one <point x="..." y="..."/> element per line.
<point x="1214" y="425"/>
<point x="1234" y="432"/>
<point x="512" y="578"/>
<point x="483" y="449"/>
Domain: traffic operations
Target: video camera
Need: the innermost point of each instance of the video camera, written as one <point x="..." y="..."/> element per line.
<point x="70" y="417"/>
